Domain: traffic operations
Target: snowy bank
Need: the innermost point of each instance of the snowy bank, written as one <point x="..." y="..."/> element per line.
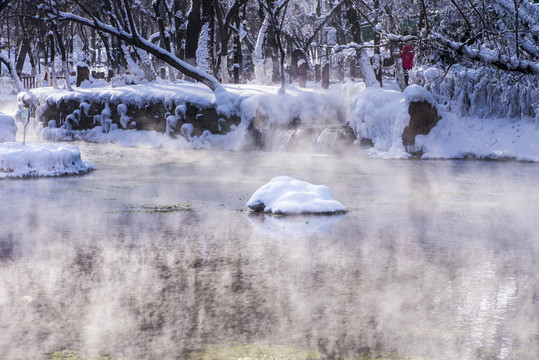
<point x="383" y="115"/>
<point x="41" y="159"/>
<point x="286" y="195"/>
<point x="471" y="137"/>
<point x="186" y="101"/>
<point x="265" y="119"/>
<point x="189" y="112"/>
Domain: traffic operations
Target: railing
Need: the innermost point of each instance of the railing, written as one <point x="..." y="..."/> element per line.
<point x="28" y="82"/>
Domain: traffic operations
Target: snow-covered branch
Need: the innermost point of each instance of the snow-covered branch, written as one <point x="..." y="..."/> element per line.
<point x="9" y="63"/>
<point x="489" y="56"/>
<point x="138" y="41"/>
<point x="323" y="23"/>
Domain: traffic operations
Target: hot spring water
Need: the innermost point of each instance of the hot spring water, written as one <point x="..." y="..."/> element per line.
<point x="154" y="255"/>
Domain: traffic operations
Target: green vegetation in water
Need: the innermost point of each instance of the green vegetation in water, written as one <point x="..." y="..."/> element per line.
<point x="75" y="355"/>
<point x="384" y="355"/>
<point x="252" y="352"/>
<point x="280" y="352"/>
<point x="160" y="209"/>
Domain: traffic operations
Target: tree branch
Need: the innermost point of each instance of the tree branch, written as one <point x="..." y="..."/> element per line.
<point x="143" y="44"/>
<point x="490" y="57"/>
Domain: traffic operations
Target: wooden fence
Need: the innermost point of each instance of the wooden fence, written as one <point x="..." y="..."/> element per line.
<point x="28" y="82"/>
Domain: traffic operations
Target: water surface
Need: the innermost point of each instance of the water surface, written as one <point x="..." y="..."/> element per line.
<point x="155" y="256"/>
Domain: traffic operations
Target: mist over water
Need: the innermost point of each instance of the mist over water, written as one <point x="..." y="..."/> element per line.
<point x="155" y="256"/>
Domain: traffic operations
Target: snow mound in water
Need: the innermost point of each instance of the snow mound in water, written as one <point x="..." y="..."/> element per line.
<point x="8" y="128"/>
<point x="286" y="195"/>
<point x="41" y="159"/>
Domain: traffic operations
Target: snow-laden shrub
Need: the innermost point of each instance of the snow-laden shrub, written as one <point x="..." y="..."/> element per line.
<point x="123" y="80"/>
<point x="482" y="92"/>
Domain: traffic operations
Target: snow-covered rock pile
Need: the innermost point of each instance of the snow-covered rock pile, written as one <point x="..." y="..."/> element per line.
<point x="233" y="110"/>
<point x="41" y="159"/>
<point x="286" y="195"/>
<point x="8" y="128"/>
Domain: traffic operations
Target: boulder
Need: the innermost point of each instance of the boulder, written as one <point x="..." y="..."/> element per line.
<point x="423" y="117"/>
<point x="423" y="114"/>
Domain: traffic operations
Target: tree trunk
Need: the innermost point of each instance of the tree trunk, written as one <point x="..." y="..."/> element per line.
<point x="204" y="52"/>
<point x="194" y="25"/>
<point x="12" y="71"/>
<point x="64" y="57"/>
<point x="238" y="58"/>
<point x="399" y="75"/>
<point x="377" y="60"/>
<point x="23" y="52"/>
<point x="133" y="67"/>
<point x="52" y="63"/>
<point x="367" y="72"/>
<point x="259" y="61"/>
<point x="160" y="53"/>
<point x="146" y="65"/>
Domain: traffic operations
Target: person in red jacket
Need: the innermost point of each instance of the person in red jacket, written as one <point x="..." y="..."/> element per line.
<point x="407" y="56"/>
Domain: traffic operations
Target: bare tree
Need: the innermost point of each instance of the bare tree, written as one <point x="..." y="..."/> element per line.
<point x="130" y="35"/>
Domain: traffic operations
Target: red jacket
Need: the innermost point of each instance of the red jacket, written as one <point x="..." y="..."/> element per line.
<point x="407" y="56"/>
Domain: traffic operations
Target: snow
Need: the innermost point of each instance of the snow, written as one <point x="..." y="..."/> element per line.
<point x="41" y="159"/>
<point x="417" y="93"/>
<point x="134" y="95"/>
<point x="34" y="159"/>
<point x="8" y="128"/>
<point x="460" y="137"/>
<point x="378" y="114"/>
<point x="286" y="195"/>
<point x="203" y="55"/>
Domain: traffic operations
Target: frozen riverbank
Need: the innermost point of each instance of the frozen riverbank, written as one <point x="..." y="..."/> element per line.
<point x="377" y="115"/>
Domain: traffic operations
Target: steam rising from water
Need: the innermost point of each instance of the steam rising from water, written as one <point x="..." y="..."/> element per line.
<point x="8" y="105"/>
<point x="435" y="259"/>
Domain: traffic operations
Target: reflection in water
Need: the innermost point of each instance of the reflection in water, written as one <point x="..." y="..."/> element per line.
<point x="435" y="260"/>
<point x="293" y="226"/>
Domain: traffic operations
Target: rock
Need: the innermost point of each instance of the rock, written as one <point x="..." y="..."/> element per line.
<point x="148" y="117"/>
<point x="423" y="117"/>
<point x="423" y="114"/>
<point x="285" y="195"/>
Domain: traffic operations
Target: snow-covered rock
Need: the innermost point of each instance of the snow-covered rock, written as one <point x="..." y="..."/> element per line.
<point x="8" y="128"/>
<point x="286" y="195"/>
<point x="380" y="115"/>
<point x="41" y="159"/>
<point x="417" y="93"/>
